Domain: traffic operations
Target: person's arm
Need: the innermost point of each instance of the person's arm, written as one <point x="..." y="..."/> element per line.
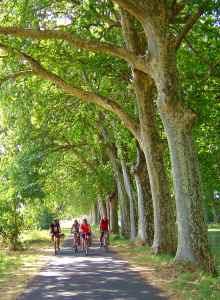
<point x="51" y="229"/>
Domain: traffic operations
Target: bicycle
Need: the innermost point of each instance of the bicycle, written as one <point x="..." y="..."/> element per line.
<point x="85" y="243"/>
<point x="56" y="241"/>
<point x="105" y="240"/>
<point x="76" y="241"/>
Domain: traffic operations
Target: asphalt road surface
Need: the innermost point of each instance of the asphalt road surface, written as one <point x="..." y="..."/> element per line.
<point x="98" y="276"/>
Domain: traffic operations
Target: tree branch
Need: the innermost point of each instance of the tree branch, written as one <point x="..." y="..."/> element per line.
<point x="65" y="147"/>
<point x="77" y="42"/>
<point x="86" y="96"/>
<point x="188" y="26"/>
<point x="73" y="148"/>
<point x="177" y="8"/>
<point x="131" y="6"/>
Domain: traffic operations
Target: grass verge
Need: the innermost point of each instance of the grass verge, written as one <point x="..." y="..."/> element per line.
<point x="178" y="281"/>
<point x="18" y="267"/>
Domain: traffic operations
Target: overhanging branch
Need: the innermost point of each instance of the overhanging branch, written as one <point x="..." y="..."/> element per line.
<point x="73" y="148"/>
<point x="131" y="6"/>
<point x="86" y="96"/>
<point x="188" y="26"/>
<point x="77" y="42"/>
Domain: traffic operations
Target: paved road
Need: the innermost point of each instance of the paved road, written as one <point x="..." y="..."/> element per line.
<point x="99" y="276"/>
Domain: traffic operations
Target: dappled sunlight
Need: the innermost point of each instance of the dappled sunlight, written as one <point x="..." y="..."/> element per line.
<point x="93" y="277"/>
<point x="24" y="267"/>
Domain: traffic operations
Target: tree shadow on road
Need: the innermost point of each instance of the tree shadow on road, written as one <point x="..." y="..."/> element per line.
<point x="99" y="276"/>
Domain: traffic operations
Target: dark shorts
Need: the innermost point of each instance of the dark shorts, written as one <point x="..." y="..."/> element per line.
<point x="84" y="235"/>
<point x="103" y="232"/>
<point x="56" y="235"/>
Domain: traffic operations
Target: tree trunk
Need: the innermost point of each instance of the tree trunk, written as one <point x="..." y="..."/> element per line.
<point x="113" y="200"/>
<point x="107" y="207"/>
<point x="178" y="122"/>
<point x="95" y="214"/>
<point x="128" y="188"/>
<point x="192" y="230"/>
<point x="145" y="204"/>
<point x="102" y="207"/>
<point x="164" y="220"/>
<point x="111" y="151"/>
<point x="14" y="233"/>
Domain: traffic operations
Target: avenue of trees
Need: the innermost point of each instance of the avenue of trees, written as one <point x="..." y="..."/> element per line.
<point x="112" y="107"/>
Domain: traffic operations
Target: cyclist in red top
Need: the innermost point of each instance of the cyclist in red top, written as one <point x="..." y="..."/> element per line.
<point x="85" y="232"/>
<point x="104" y="228"/>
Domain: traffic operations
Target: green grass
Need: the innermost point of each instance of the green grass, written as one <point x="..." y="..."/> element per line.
<point x="17" y="267"/>
<point x="214" y="226"/>
<point x="35" y="237"/>
<point x="183" y="280"/>
<point x="214" y="241"/>
<point x="7" y="264"/>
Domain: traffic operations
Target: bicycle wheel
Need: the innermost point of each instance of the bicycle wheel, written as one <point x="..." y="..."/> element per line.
<point x="75" y="246"/>
<point x="86" y="248"/>
<point x="56" y="246"/>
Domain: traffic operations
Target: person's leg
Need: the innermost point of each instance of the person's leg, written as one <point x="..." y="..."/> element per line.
<point x="78" y="239"/>
<point x="83" y="241"/>
<point x="107" y="237"/>
<point x="55" y="245"/>
<point x="87" y="237"/>
<point x="58" y="243"/>
<point x="74" y="240"/>
<point x="101" y="238"/>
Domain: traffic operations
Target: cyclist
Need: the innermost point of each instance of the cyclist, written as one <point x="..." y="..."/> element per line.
<point x="75" y="232"/>
<point x="55" y="232"/>
<point x="104" y="229"/>
<point x="85" y="231"/>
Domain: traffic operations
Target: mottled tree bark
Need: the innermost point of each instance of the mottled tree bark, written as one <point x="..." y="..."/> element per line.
<point x="102" y="207"/>
<point x="145" y="204"/>
<point x="164" y="221"/>
<point x="107" y="207"/>
<point x="111" y="151"/>
<point x="113" y="201"/>
<point x="178" y="122"/>
<point x="130" y="193"/>
<point x="95" y="214"/>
